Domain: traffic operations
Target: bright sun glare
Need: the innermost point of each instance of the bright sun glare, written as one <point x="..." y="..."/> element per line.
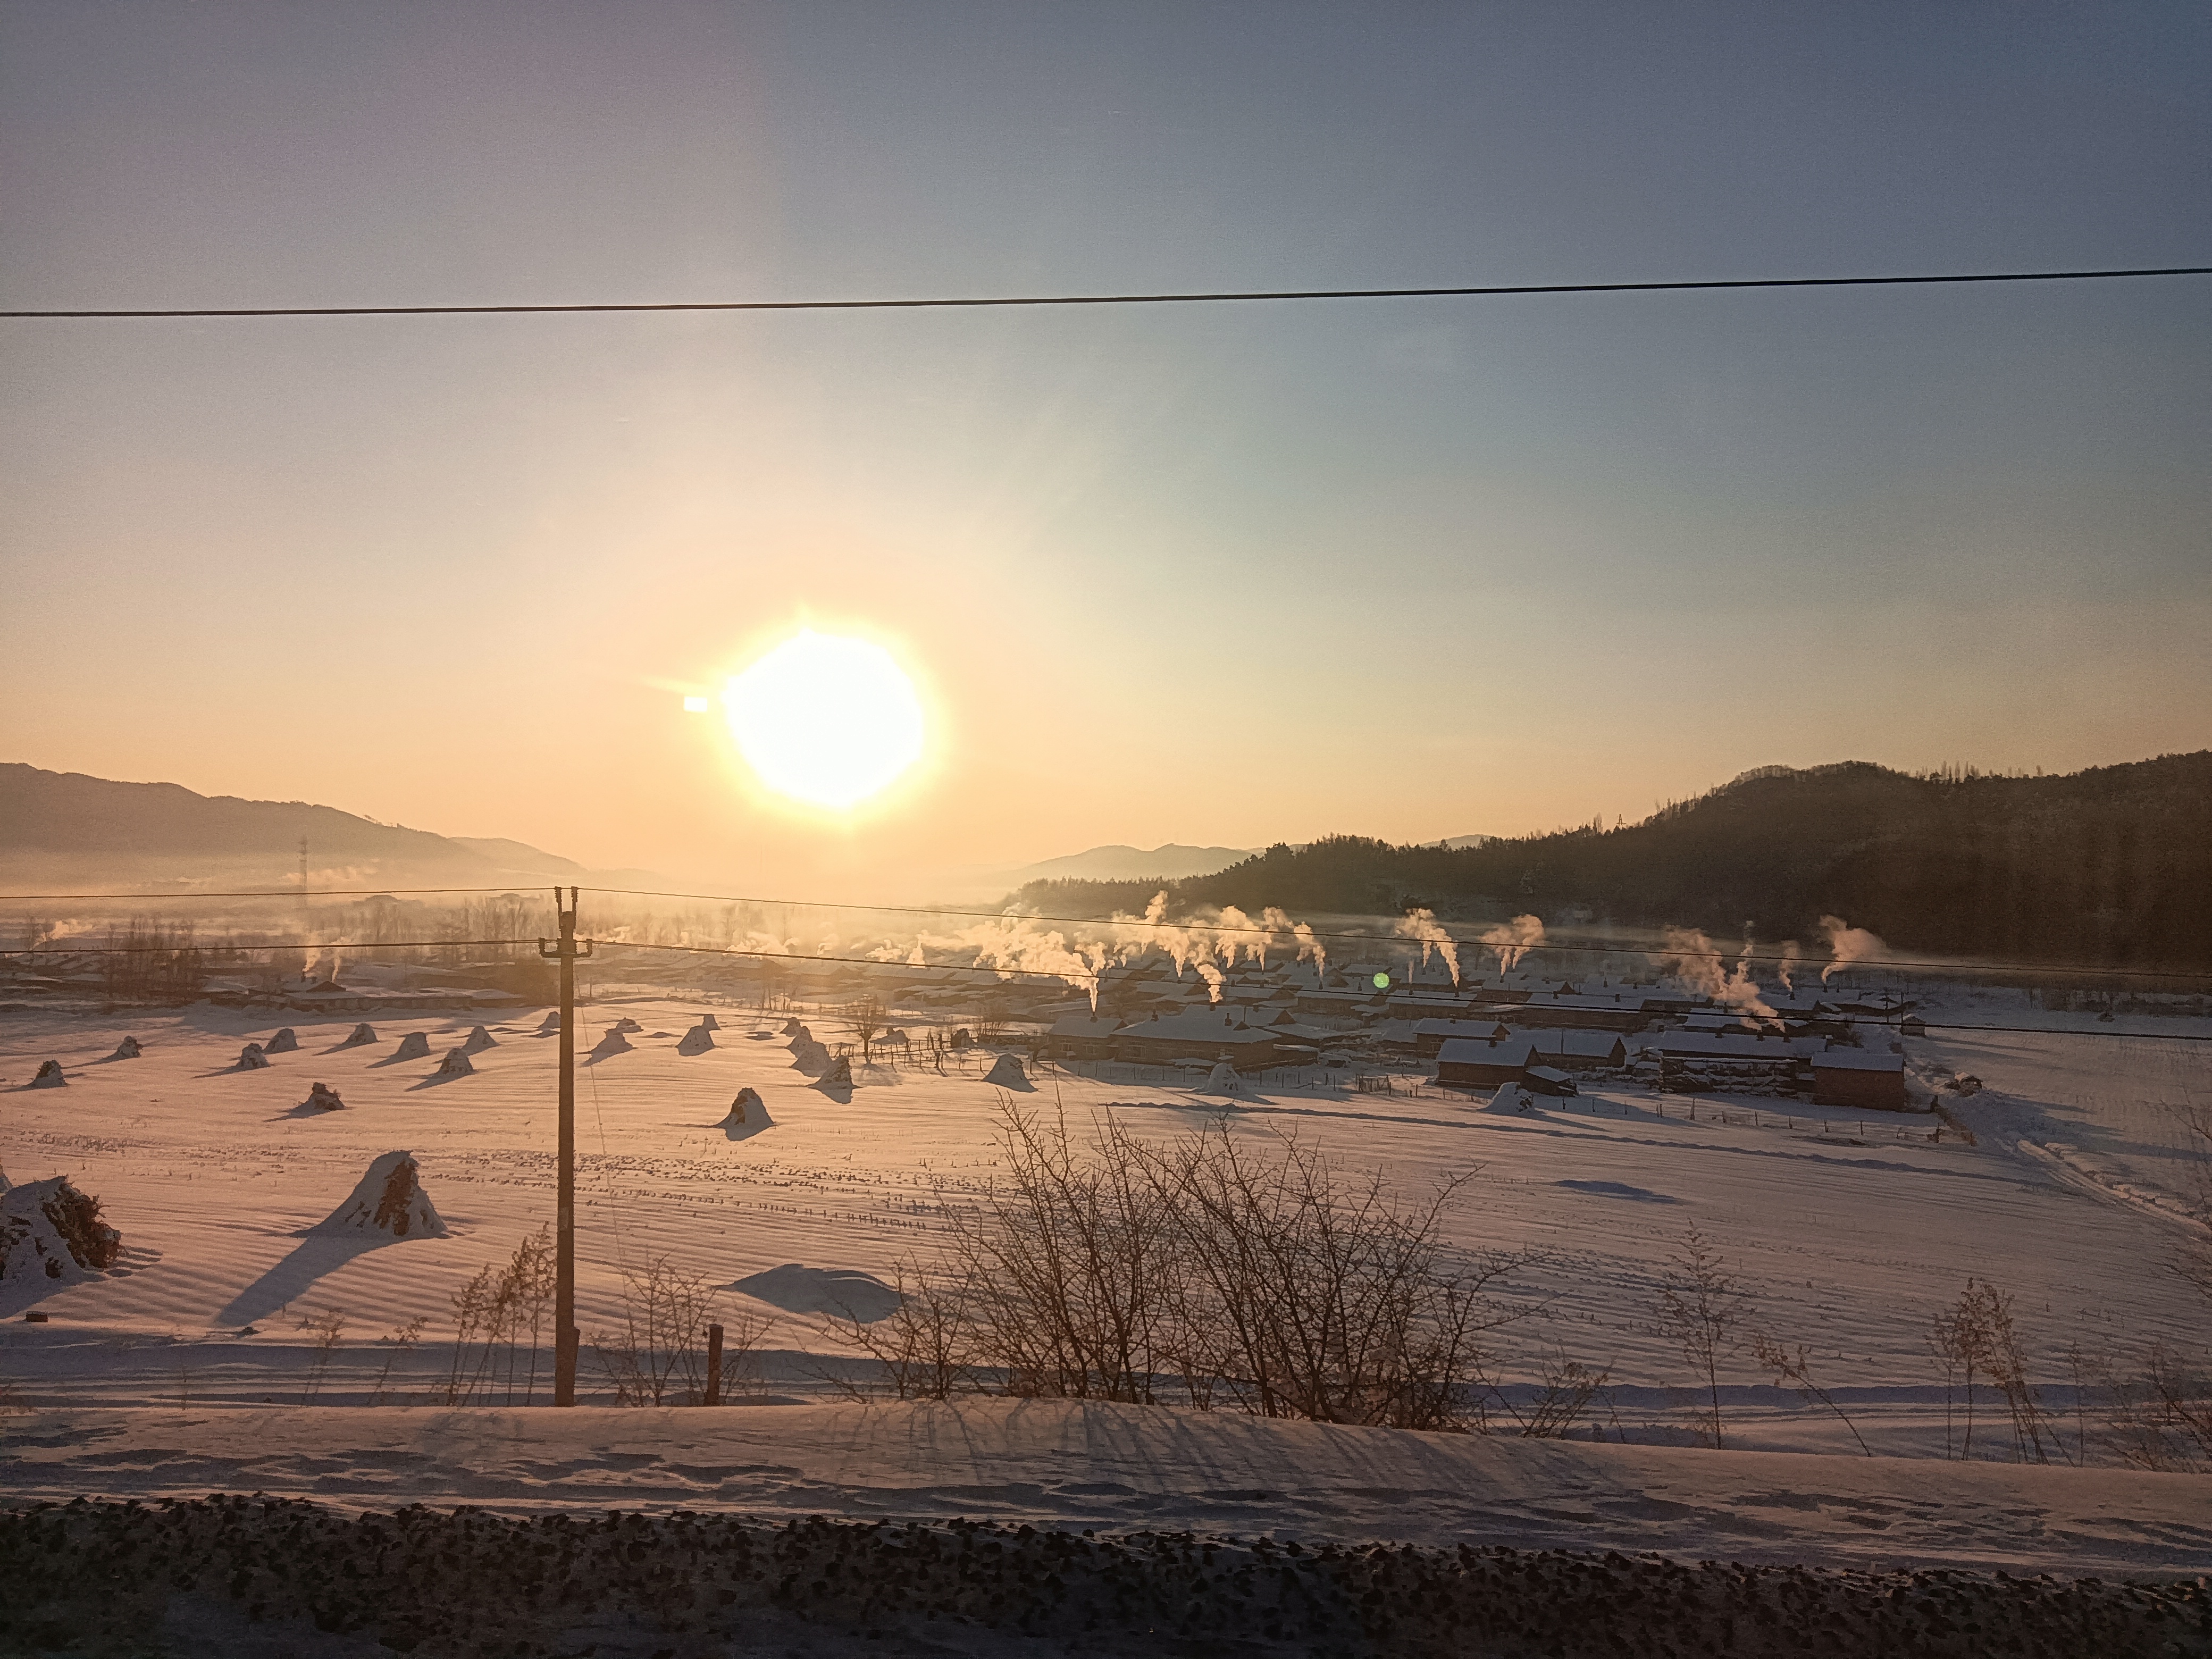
<point x="825" y="719"/>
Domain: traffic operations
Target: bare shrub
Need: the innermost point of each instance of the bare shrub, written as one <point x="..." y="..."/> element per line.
<point x="923" y="1348"/>
<point x="396" y="1343"/>
<point x="658" y="1357"/>
<point x="1791" y="1366"/>
<point x="1699" y="1310"/>
<point x="492" y="1314"/>
<point x="328" y="1329"/>
<point x="2159" y="1417"/>
<point x="1565" y="1390"/>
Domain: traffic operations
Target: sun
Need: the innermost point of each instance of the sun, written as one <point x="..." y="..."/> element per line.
<point x="825" y="719"/>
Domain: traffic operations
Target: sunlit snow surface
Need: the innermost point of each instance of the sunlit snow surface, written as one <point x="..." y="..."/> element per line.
<point x="2075" y="1196"/>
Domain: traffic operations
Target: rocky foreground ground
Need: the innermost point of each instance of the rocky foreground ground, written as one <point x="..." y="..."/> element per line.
<point x="249" y="1576"/>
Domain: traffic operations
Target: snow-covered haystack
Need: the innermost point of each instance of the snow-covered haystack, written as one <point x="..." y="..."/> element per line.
<point x="50" y="1075"/>
<point x="322" y="1098"/>
<point x="626" y="1025"/>
<point x="50" y="1230"/>
<point x="456" y="1063"/>
<point x="283" y="1043"/>
<point x="388" y="1201"/>
<point x="253" y="1058"/>
<point x="709" y="1022"/>
<point x="791" y="1028"/>
<point x="809" y="1057"/>
<point x="415" y="1045"/>
<point x="126" y="1049"/>
<point x="747" y="1114"/>
<point x="1509" y="1098"/>
<point x="551" y="1023"/>
<point x="1222" y="1080"/>
<point x="362" y="1033"/>
<point x="614" y="1042"/>
<point x="478" y="1040"/>
<point x="800" y="1035"/>
<point x="1006" y="1073"/>
<point x="839" y="1075"/>
<point x="696" y="1041"/>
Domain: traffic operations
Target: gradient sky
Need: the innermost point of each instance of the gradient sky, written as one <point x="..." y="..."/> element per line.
<point x="1218" y="575"/>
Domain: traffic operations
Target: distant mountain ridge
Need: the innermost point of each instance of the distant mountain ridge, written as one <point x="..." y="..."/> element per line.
<point x="55" y="823"/>
<point x="2110" y="865"/>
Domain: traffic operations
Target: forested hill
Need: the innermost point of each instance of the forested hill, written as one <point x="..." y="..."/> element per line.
<point x="2113" y="865"/>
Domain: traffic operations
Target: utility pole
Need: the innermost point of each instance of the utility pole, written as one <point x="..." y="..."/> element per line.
<point x="565" y="951"/>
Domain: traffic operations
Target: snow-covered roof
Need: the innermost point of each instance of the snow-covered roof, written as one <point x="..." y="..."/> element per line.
<point x="1856" y="1060"/>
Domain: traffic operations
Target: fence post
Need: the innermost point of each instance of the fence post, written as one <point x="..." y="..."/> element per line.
<point x="714" y="1365"/>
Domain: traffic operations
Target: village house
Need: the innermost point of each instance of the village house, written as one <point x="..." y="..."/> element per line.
<point x="1203" y="1034"/>
<point x="1872" y="1079"/>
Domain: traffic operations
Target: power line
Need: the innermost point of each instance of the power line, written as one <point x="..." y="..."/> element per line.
<point x="1012" y="301"/>
<point x="1717" y="954"/>
<point x="222" y="947"/>
<point x="283" y="892"/>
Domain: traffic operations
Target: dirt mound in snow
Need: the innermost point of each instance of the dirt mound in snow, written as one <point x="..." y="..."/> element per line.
<point x="283" y="1043"/>
<point x="696" y="1041"/>
<point x="478" y="1040"/>
<point x="388" y="1201"/>
<point x="838" y="1291"/>
<point x="50" y="1232"/>
<point x="49" y="1076"/>
<point x="362" y="1033"/>
<point x="747" y="1116"/>
<point x="1006" y="1073"/>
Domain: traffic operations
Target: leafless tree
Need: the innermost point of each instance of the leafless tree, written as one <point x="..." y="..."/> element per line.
<point x="866" y="1017"/>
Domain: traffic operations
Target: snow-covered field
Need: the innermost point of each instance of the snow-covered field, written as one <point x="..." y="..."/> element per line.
<point x="2074" y="1194"/>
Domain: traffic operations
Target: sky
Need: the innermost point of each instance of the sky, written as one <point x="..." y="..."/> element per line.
<point x="1220" y="575"/>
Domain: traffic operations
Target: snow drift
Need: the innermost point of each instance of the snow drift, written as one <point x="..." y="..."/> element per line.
<point x="838" y="1291"/>
<point x="387" y="1201"/>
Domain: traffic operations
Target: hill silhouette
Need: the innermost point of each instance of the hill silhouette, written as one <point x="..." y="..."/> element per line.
<point x="2111" y="865"/>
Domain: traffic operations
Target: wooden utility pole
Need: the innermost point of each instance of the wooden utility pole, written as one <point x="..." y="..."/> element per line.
<point x="566" y="951"/>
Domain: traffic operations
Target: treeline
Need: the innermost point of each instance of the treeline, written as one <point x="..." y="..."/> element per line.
<point x="2113" y="865"/>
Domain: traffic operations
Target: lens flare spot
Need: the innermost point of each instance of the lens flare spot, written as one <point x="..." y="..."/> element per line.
<point x="825" y="719"/>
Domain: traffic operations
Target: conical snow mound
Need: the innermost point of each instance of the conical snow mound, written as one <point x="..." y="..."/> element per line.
<point x="800" y="1035"/>
<point x="283" y="1043"/>
<point x="839" y="1075"/>
<point x="626" y="1025"/>
<point x="322" y="1098"/>
<point x="809" y="1057"/>
<point x="696" y="1041"/>
<point x="362" y="1033"/>
<point x="791" y="1028"/>
<point x="251" y="1058"/>
<point x="478" y="1040"/>
<point x="709" y="1022"/>
<point x="1222" y="1080"/>
<point x="415" y="1045"/>
<point x="49" y="1230"/>
<point x="747" y="1114"/>
<point x="126" y="1049"/>
<point x="1006" y="1073"/>
<point x="50" y="1075"/>
<point x="389" y="1200"/>
<point x="552" y="1023"/>
<point x="456" y="1064"/>
<point x="614" y="1042"/>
